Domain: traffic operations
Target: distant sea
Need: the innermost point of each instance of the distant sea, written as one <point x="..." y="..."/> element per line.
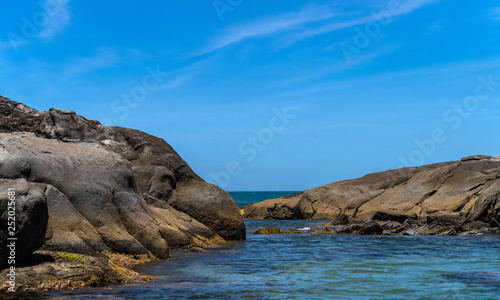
<point x="247" y="198"/>
<point x="305" y="266"/>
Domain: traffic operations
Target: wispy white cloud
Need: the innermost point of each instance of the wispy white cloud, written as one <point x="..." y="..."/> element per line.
<point x="176" y="82"/>
<point x="405" y="8"/>
<point x="59" y="17"/>
<point x="452" y="71"/>
<point x="304" y="24"/>
<point x="340" y="66"/>
<point x="412" y="5"/>
<point x="104" y="58"/>
<point x="52" y="18"/>
<point x="269" y="25"/>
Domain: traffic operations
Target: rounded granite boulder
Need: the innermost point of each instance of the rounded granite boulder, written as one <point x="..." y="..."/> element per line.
<point x="23" y="222"/>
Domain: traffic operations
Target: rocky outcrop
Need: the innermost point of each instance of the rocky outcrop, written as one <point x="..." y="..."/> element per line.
<point x="367" y="228"/>
<point x="161" y="174"/>
<point x="462" y="195"/>
<point x="110" y="188"/>
<point x="52" y="270"/>
<point x="24" y="218"/>
<point x="101" y="187"/>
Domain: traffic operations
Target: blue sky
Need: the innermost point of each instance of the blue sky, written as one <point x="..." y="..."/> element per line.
<point x="269" y="95"/>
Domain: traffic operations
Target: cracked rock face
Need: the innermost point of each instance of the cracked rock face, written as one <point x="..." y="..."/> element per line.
<point x="111" y="188"/>
<point x="463" y="191"/>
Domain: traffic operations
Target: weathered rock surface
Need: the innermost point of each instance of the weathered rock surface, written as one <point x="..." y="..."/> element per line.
<point x="370" y="227"/>
<point x="444" y="196"/>
<point x="26" y="220"/>
<point x="51" y="270"/>
<point x="161" y="174"/>
<point x="101" y="187"/>
<point x="283" y="208"/>
<point x="111" y="188"/>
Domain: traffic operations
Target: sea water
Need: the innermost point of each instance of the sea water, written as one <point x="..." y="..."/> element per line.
<point x="305" y="266"/>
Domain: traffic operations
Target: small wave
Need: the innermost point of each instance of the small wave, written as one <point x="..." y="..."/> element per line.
<point x="304" y="228"/>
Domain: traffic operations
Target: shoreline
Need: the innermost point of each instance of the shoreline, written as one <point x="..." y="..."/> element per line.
<point x="118" y="269"/>
<point x="53" y="270"/>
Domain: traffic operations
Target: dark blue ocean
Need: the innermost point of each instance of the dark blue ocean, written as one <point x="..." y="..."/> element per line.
<point x="305" y="266"/>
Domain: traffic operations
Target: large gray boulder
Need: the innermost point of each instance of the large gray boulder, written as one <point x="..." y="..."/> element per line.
<point x="161" y="174"/>
<point x="158" y="170"/>
<point x="111" y="188"/>
<point x="30" y="217"/>
<point x="448" y="194"/>
<point x="99" y="184"/>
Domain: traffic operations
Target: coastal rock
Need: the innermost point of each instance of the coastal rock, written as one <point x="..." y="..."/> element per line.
<point x="210" y="206"/>
<point x="89" y="184"/>
<point x="327" y="230"/>
<point x="476" y="157"/>
<point x="475" y="226"/>
<point x="389" y="225"/>
<point x="158" y="171"/>
<point x="30" y="217"/>
<point x="283" y="208"/>
<point x="51" y="270"/>
<point x="108" y="189"/>
<point x="268" y="230"/>
<point x="347" y="229"/>
<point x="181" y="230"/>
<point x="445" y="197"/>
<point x="370" y="228"/>
<point x="112" y="188"/>
<point x="339" y="220"/>
<point x="69" y="230"/>
<point x="365" y="228"/>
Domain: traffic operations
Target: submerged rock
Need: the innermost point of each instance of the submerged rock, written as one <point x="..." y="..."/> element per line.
<point x="367" y="228"/>
<point x="491" y="279"/>
<point x="327" y="230"/>
<point x="273" y="230"/>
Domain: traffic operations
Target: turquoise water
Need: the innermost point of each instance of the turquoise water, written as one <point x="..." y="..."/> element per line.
<point x="305" y="266"/>
<point x="246" y="198"/>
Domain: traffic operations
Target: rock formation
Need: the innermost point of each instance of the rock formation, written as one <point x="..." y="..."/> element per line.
<point x="24" y="217"/>
<point x="463" y="195"/>
<point x="107" y="188"/>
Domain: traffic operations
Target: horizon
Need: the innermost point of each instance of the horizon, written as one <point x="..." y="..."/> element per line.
<point x="258" y="96"/>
